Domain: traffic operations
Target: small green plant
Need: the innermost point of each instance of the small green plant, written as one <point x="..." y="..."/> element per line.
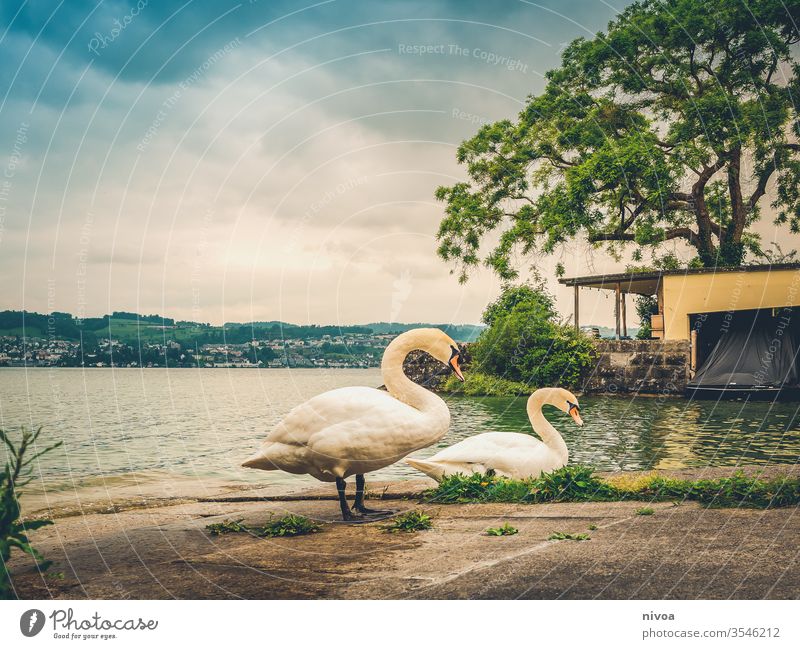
<point x="567" y="536"/>
<point x="505" y="530"/>
<point x="226" y="527"/>
<point x="414" y="521"/>
<point x="14" y="532"/>
<point x="592" y="527"/>
<point x="290" y="525"/>
<point x="645" y="511"/>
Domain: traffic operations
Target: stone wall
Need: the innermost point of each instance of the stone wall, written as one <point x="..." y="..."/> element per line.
<point x="639" y="366"/>
<point x="622" y="367"/>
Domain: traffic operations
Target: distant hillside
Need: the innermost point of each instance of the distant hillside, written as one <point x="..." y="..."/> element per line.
<point x="459" y="333"/>
<point x="132" y="327"/>
<point x="608" y="332"/>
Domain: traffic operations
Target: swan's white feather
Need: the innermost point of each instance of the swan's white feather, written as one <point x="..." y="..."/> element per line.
<point x="344" y="432"/>
<point x="514" y="455"/>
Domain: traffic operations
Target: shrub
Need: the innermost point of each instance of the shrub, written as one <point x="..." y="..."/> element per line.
<point x="14" y="532"/>
<point x="526" y="342"/>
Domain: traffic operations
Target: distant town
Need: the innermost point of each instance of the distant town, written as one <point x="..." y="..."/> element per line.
<point x="131" y="340"/>
<point x="355" y="350"/>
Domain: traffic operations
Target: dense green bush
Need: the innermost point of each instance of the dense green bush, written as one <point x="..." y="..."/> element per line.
<point x="526" y="342"/>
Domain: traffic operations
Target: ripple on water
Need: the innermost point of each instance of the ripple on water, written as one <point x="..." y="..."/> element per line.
<point x="162" y="425"/>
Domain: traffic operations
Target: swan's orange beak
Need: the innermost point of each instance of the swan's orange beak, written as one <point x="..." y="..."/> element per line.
<point x="456" y="368"/>
<point x="575" y="413"/>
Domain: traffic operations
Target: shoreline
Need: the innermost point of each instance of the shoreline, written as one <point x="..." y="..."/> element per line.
<point x="683" y="550"/>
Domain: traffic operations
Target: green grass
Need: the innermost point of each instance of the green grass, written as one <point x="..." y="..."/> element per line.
<point x="569" y="484"/>
<point x="505" y="530"/>
<point x="414" y="521"/>
<point x="567" y="536"/>
<point x="645" y="511"/>
<point x="592" y="527"/>
<point x="484" y="385"/>
<point x="579" y="483"/>
<point x="290" y="525"/>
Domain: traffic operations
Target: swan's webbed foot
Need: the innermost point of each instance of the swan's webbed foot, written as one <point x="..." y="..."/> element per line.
<point x="353" y="518"/>
<point x="366" y="511"/>
<point x="358" y="505"/>
<point x="348" y="516"/>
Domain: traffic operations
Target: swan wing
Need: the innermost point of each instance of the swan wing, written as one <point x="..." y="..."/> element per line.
<point x="345" y="431"/>
<point x="480" y="448"/>
<point x="513" y="455"/>
<point x="365" y="408"/>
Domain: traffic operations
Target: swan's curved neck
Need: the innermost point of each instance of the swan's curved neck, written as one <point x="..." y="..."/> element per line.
<point x="543" y="428"/>
<point x="403" y="388"/>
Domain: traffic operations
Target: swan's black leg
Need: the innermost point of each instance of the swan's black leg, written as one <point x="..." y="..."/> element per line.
<point x="359" y="503"/>
<point x="347" y="515"/>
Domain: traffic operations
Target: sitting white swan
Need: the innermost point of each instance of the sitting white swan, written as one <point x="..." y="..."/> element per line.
<point x="513" y="455"/>
<point x="355" y="430"/>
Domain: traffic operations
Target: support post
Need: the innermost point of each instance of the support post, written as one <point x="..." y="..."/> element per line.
<point x="624" y="317"/>
<point x="617" y="308"/>
<point x="577" y="306"/>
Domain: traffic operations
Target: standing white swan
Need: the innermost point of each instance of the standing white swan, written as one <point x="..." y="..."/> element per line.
<point x="352" y="431"/>
<point x="513" y="455"/>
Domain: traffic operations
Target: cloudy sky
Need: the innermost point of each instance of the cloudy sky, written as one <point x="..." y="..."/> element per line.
<point x="223" y="161"/>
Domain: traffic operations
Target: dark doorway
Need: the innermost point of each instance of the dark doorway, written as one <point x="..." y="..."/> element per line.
<point x="747" y="349"/>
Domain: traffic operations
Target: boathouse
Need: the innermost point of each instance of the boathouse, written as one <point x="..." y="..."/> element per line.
<point x="742" y="324"/>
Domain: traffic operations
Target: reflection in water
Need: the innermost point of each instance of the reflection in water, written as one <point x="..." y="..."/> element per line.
<point x="651" y="432"/>
<point x="129" y="426"/>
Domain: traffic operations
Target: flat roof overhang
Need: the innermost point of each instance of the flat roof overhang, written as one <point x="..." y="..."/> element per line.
<point x="646" y="283"/>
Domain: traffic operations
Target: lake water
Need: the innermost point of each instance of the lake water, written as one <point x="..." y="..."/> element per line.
<point x="158" y="426"/>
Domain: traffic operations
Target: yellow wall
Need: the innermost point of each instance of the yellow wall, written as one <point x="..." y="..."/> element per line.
<point x="735" y="291"/>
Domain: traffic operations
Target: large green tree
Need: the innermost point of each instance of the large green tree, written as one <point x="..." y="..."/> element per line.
<point x="671" y="125"/>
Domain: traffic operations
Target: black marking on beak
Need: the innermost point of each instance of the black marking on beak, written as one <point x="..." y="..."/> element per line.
<point x="454" y="358"/>
<point x="572" y="406"/>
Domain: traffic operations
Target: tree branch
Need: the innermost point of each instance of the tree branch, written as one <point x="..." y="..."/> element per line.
<point x="738" y="213"/>
<point x="683" y="233"/>
<point x="610" y="236"/>
<point x="761" y="187"/>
